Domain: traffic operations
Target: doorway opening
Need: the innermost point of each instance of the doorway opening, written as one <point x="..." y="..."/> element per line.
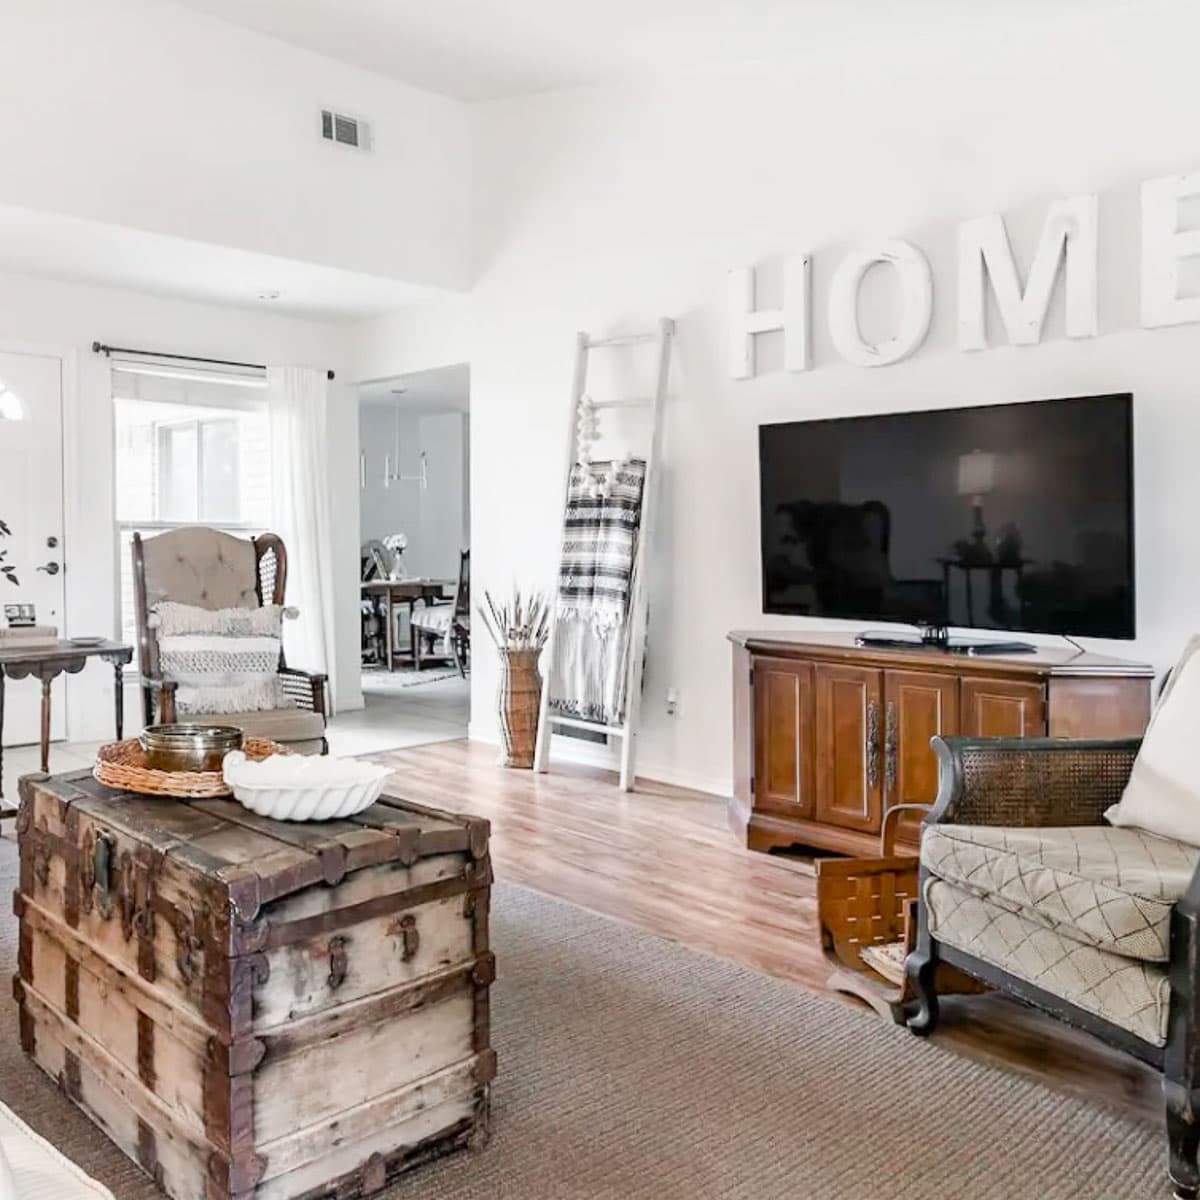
<point x="415" y="541"/>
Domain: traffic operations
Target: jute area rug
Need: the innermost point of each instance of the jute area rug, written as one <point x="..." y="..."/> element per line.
<point x="632" y="1069"/>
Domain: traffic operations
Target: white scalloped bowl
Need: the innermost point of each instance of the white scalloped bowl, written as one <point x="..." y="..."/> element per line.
<point x="300" y="787"/>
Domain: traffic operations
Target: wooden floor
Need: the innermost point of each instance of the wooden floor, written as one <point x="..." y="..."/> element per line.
<point x="664" y="859"/>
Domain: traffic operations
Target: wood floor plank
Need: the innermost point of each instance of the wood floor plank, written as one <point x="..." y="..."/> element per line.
<point x="664" y="859"/>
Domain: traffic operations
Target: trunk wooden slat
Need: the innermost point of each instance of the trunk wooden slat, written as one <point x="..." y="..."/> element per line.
<point x="255" y="1010"/>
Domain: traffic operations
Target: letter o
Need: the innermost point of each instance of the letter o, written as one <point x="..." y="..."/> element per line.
<point x="916" y="295"/>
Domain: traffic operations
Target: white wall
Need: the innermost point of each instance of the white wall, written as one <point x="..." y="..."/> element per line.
<point x="435" y="518"/>
<point x="437" y="333"/>
<point x="229" y="121"/>
<point x="64" y="318"/>
<point x="444" y="528"/>
<point x="603" y="209"/>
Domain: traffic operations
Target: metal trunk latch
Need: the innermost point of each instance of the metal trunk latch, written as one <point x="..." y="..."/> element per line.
<point x="410" y="936"/>
<point x="188" y="946"/>
<point x="103" y="863"/>
<point x="338" y="962"/>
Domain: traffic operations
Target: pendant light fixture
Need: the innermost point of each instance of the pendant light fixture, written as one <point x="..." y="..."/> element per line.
<point x="392" y="474"/>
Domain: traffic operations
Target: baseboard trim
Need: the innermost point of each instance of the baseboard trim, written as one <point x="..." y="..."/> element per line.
<point x="589" y="754"/>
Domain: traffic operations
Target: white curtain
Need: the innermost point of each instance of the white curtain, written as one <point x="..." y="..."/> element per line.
<point x="298" y="405"/>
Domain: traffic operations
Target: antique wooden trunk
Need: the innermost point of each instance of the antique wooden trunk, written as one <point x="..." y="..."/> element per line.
<point x="256" y="1009"/>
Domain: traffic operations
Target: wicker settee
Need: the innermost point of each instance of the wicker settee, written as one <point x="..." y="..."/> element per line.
<point x="1026" y="888"/>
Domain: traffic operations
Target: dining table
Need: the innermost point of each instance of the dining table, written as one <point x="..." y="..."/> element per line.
<point x="387" y="593"/>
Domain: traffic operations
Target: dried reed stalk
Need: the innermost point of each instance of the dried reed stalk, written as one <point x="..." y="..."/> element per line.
<point x="522" y="623"/>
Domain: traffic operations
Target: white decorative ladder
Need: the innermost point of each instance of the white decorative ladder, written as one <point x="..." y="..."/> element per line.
<point x="626" y="731"/>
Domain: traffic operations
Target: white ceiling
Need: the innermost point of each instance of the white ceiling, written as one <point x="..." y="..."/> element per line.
<point x="80" y="251"/>
<point x="443" y="389"/>
<point x="484" y="49"/>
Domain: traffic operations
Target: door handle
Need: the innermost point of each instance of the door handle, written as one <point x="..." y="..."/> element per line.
<point x="891" y="749"/>
<point x="51" y="568"/>
<point x="872" y="746"/>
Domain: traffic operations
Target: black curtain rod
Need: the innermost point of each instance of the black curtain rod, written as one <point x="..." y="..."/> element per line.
<point x="108" y="351"/>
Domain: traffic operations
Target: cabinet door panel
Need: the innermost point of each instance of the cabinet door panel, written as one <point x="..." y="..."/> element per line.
<point x="919" y="706"/>
<point x="783" y="736"/>
<point x="1002" y="708"/>
<point x="849" y="737"/>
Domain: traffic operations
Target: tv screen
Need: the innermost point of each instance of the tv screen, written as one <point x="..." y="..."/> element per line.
<point x="1007" y="516"/>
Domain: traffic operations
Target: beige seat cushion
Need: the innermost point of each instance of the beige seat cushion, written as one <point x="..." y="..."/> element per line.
<point x="1109" y="888"/>
<point x="287" y="725"/>
<point x="1134" y="995"/>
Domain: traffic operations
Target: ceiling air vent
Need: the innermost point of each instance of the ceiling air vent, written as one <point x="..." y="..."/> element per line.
<point x="346" y="131"/>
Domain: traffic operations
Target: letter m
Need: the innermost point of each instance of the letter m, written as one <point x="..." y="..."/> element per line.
<point x="985" y="254"/>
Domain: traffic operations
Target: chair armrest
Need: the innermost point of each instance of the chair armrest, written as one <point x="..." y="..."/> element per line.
<point x="887" y="839"/>
<point x="1187" y="908"/>
<point x="1182" y="1058"/>
<point x="1030" y="782"/>
<point x="305" y="689"/>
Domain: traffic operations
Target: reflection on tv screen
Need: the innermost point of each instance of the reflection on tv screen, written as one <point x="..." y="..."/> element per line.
<point x="1009" y="516"/>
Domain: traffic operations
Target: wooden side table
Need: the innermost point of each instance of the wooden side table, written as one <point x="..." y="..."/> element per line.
<point x="47" y="663"/>
<point x="995" y="579"/>
<point x="385" y="593"/>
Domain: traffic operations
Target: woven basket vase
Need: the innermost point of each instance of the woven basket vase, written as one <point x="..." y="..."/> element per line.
<point x="518" y="699"/>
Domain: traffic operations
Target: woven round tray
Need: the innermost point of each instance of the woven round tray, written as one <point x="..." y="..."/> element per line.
<point x="122" y="765"/>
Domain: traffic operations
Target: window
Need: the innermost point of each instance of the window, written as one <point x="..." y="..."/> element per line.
<point x="199" y="470"/>
<point x="189" y="451"/>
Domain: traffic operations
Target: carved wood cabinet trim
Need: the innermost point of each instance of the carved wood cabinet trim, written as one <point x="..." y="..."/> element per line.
<point x="784" y="707"/>
<point x="848" y="746"/>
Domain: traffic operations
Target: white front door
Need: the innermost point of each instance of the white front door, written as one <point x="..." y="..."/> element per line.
<point x="31" y="520"/>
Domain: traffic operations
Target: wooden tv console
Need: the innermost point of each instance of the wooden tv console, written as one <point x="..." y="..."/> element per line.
<point x="828" y="735"/>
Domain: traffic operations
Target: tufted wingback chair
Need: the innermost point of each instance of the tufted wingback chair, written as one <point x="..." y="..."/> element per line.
<point x="211" y="569"/>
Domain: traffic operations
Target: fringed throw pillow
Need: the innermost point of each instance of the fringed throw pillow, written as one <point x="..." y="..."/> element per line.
<point x="1163" y="792"/>
<point x="224" y="660"/>
<point x="171" y="618"/>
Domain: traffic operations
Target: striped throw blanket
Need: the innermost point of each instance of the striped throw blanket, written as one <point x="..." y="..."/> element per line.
<point x="600" y="535"/>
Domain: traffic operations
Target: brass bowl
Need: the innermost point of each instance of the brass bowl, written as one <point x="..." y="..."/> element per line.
<point x="189" y="747"/>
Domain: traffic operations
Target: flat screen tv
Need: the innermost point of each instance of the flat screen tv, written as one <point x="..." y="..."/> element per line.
<point x="1007" y="516"/>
